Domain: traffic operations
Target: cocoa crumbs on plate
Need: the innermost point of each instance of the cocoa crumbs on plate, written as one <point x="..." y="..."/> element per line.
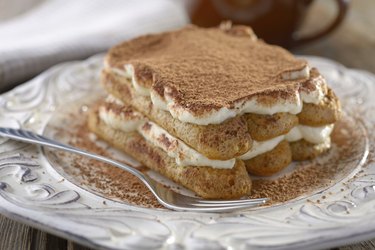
<point x="310" y="176"/>
<point x="107" y="180"/>
<point x="307" y="178"/>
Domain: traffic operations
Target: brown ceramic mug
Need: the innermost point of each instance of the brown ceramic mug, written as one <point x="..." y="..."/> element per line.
<point x="275" y="21"/>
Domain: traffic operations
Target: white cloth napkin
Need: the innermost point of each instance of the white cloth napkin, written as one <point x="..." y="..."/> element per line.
<point x="60" y="30"/>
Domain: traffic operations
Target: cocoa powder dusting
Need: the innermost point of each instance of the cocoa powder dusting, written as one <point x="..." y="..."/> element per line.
<point x="107" y="180"/>
<point x="207" y="68"/>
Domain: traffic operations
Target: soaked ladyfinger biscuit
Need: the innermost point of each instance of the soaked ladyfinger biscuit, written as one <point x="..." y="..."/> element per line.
<point x="326" y="112"/>
<point x="265" y="127"/>
<point x="304" y="150"/>
<point x="270" y="162"/>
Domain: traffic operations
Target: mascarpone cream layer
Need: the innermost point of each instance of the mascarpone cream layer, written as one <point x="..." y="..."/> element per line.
<point x="315" y="135"/>
<point x="120" y="120"/>
<point x="187" y="156"/>
<point x="292" y="104"/>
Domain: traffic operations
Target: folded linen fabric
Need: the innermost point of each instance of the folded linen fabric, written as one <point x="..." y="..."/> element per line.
<point x="56" y="30"/>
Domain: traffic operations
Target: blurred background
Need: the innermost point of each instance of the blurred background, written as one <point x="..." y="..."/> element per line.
<point x="36" y="34"/>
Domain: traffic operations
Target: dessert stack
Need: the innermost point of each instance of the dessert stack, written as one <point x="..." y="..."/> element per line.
<point x="206" y="107"/>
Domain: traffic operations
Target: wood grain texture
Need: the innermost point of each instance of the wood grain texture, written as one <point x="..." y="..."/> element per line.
<point x="17" y="236"/>
<point x="353" y="44"/>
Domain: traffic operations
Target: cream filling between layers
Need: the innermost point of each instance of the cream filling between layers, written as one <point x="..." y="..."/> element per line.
<point x="291" y="105"/>
<point x="315" y="135"/>
<point x="184" y="155"/>
<point x="120" y="121"/>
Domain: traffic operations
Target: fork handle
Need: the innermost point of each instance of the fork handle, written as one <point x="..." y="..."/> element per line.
<point x="33" y="138"/>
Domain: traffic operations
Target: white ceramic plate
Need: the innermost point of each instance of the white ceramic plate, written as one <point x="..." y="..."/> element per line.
<point x="32" y="191"/>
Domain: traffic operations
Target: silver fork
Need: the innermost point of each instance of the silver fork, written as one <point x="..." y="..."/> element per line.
<point x="165" y="196"/>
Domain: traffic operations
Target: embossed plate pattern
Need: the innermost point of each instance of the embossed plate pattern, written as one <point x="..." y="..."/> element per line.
<point x="33" y="192"/>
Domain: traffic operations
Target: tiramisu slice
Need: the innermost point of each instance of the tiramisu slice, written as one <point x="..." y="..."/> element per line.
<point x="126" y="129"/>
<point x="202" y="105"/>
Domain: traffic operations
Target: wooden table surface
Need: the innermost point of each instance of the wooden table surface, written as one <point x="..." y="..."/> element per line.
<point x="353" y="44"/>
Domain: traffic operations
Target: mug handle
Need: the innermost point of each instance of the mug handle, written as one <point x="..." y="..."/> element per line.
<point x="343" y="6"/>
